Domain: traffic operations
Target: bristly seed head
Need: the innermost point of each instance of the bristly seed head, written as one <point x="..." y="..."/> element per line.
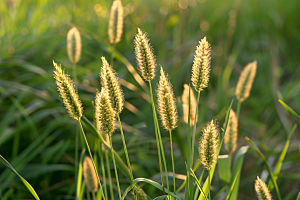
<point x="74" y="45"/>
<point x="230" y="138"/>
<point x="65" y="87"/>
<point x="185" y="105"/>
<point x="115" y="25"/>
<point x="201" y="65"/>
<point x="209" y="145"/>
<point x="112" y="85"/>
<point x="166" y="103"/>
<point x="145" y="58"/>
<point x="104" y="113"/>
<point x="90" y="175"/>
<point x="139" y="193"/>
<point x="262" y="190"/>
<point x="244" y="85"/>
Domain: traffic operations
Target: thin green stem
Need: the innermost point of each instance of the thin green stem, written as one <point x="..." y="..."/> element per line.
<point x="195" y="127"/>
<point x="209" y="183"/>
<point x="102" y="167"/>
<point x="238" y="110"/>
<point x="87" y="145"/>
<point x="173" y="165"/>
<point x="88" y="195"/>
<point x="184" y="182"/>
<point x="114" y="161"/>
<point x="112" y="54"/>
<point x="75" y="75"/>
<point x="159" y="136"/>
<point x="125" y="148"/>
<point x="109" y="176"/>
<point x="187" y="188"/>
<point x="94" y="197"/>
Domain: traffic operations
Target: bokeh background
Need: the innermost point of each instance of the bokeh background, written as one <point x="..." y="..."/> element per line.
<point x="37" y="136"/>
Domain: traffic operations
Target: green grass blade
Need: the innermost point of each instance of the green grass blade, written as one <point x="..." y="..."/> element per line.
<point x="79" y="177"/>
<point x="298" y="197"/>
<point x="232" y="186"/>
<point x="161" y="197"/>
<point x="198" y="182"/>
<point x="224" y="168"/>
<point x="27" y="185"/>
<point x="268" y="167"/>
<point x="237" y="168"/>
<point x="281" y="158"/>
<point x="155" y="184"/>
<point x="289" y="109"/>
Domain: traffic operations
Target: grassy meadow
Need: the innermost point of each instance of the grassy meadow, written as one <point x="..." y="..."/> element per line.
<point x="39" y="139"/>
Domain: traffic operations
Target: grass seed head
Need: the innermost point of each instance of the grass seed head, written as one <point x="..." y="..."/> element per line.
<point x="90" y="175"/>
<point x="110" y="82"/>
<point x="262" y="190"/>
<point x="244" y="85"/>
<point x="65" y="87"/>
<point x="166" y="103"/>
<point x="145" y="58"/>
<point x="104" y="113"/>
<point x="74" y="45"/>
<point x="139" y="193"/>
<point x="185" y="105"/>
<point x="231" y="134"/>
<point x="115" y="24"/>
<point x="209" y="145"/>
<point x="201" y="65"/>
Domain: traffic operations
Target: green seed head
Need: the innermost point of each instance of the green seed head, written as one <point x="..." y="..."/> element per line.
<point x="262" y="190"/>
<point x="166" y="103"/>
<point x="139" y="193"/>
<point x="144" y="56"/>
<point x="65" y="87"/>
<point x="209" y="145"/>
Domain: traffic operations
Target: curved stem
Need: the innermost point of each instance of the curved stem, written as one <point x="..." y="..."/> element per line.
<point x="172" y="160"/>
<point x="87" y="145"/>
<point x="116" y="171"/>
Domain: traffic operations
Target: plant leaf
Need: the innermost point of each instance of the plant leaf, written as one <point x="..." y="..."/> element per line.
<point x="224" y="168"/>
<point x="289" y="109"/>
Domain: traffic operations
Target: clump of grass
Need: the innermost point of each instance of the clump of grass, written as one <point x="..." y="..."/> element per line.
<point x="209" y="145"/>
<point x="245" y="82"/>
<point x="90" y="175"/>
<point x="262" y="190"/>
<point x="201" y="65"/>
<point x="145" y="58"/>
<point x="74" y="45"/>
<point x="110" y="82"/>
<point x="230" y="138"/>
<point x="65" y="87"/>
<point x="185" y="105"/>
<point x="115" y="24"/>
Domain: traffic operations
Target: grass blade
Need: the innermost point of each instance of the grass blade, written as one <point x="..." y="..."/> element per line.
<point x="79" y="177"/>
<point x="289" y="109"/>
<point x="27" y="185"/>
<point x="232" y="186"/>
<point x="198" y="183"/>
<point x="268" y="167"/>
<point x="224" y="171"/>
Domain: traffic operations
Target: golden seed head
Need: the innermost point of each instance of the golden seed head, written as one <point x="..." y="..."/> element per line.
<point x="115" y="24"/>
<point x="185" y="105"/>
<point x="145" y="58"/>
<point x="262" y="190"/>
<point x="166" y="102"/>
<point x="201" y="65"/>
<point x="74" y="45"/>
<point x="209" y="145"/>
<point x="90" y="175"/>
<point x="139" y="193"/>
<point x="112" y="85"/>
<point x="231" y="134"/>
<point x="65" y="87"/>
<point x="104" y="113"/>
<point x="244" y="85"/>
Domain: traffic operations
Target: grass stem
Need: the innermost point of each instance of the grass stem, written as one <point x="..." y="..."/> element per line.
<point x="109" y="176"/>
<point x="173" y="165"/>
<point x="103" y="169"/>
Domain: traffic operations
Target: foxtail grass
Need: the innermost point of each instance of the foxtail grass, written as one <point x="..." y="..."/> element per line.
<point x="230" y="138"/>
<point x="90" y="175"/>
<point x="262" y="190"/>
<point x="74" y="45"/>
<point x="115" y="24"/>
<point x="185" y="105"/>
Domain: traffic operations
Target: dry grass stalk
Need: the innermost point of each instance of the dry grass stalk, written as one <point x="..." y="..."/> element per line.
<point x="245" y="82"/>
<point x="231" y="134"/>
<point x="185" y="105"/>
<point x="74" y="45"/>
<point x="104" y="113"/>
<point x="262" y="190"/>
<point x="145" y="58"/>
<point x="201" y="65"/>
<point x="110" y="82"/>
<point x="166" y="102"/>
<point x="65" y="87"/>
<point x="209" y="145"/>
<point x="90" y="175"/>
<point x="115" y="24"/>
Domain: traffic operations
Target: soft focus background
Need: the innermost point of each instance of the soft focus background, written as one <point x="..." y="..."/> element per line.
<point x="37" y="136"/>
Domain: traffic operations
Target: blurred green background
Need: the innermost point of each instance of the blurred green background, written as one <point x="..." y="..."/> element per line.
<point x="37" y="136"/>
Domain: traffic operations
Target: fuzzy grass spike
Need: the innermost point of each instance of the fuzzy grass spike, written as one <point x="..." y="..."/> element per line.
<point x="115" y="24"/>
<point x="230" y="139"/>
<point x="90" y="175"/>
<point x="262" y="190"/>
<point x="74" y="45"/>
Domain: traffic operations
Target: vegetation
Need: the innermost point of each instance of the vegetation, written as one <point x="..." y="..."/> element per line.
<point x="122" y="117"/>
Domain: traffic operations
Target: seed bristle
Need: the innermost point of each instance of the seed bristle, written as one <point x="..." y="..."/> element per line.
<point x="262" y="190"/>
